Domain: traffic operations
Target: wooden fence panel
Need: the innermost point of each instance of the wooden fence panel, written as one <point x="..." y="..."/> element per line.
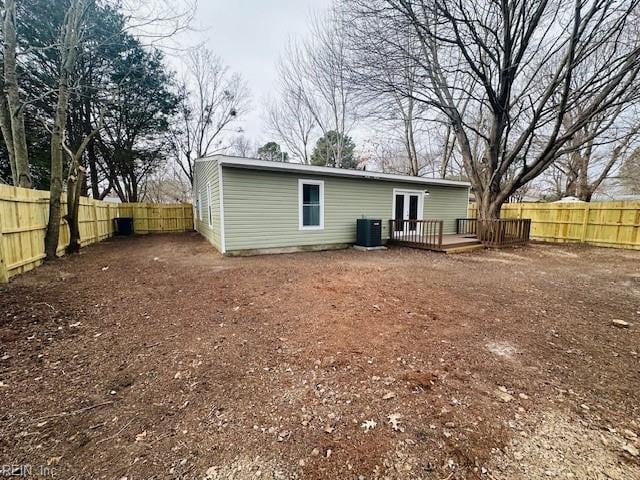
<point x="606" y="224"/>
<point x="23" y="222"/>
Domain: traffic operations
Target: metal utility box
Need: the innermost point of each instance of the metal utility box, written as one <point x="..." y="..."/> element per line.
<point x="123" y="225"/>
<point x="369" y="232"/>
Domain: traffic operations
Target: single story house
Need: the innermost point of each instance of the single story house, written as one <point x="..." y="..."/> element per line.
<point x="250" y="206"/>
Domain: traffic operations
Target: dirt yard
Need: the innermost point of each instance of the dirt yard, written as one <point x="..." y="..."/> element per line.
<point x="155" y="357"/>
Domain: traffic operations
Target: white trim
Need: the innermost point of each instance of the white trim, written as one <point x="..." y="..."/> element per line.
<point x="256" y="164"/>
<point x="209" y="206"/>
<point x="306" y="181"/>
<point x="194" y="197"/>
<point x="223" y="247"/>
<point x="420" y="194"/>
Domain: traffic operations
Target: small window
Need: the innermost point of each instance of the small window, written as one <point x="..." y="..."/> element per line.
<point x="311" y="204"/>
<point x="209" y="209"/>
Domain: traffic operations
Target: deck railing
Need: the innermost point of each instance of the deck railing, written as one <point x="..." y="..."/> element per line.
<point x="501" y="232"/>
<point x="416" y="233"/>
<point x="466" y="226"/>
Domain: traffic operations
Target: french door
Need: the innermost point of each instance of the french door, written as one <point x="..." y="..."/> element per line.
<point x="407" y="206"/>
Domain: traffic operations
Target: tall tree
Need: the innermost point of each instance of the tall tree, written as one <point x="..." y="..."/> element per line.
<point x="69" y="44"/>
<point x="503" y="75"/>
<point x="211" y="100"/>
<point x="11" y="107"/>
<point x="290" y="119"/>
<point x="134" y="140"/>
<point x="315" y="74"/>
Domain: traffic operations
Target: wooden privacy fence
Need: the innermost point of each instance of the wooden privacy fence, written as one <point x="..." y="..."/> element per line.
<point x="158" y="217"/>
<point x="23" y="222"/>
<point x="605" y="224"/>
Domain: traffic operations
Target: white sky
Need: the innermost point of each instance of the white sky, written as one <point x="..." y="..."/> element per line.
<point x="250" y="36"/>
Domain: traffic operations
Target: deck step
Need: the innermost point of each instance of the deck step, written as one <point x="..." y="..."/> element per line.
<point x="468" y="247"/>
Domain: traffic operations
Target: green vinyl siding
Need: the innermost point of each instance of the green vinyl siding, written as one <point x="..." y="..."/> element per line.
<point x="206" y="177"/>
<point x="261" y="207"/>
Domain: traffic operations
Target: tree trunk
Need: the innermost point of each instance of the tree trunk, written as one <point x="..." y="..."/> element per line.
<point x="488" y="205"/>
<point x="447" y="149"/>
<point x="74" y="190"/>
<point x="53" y="225"/>
<point x="5" y="128"/>
<point x="16" y="111"/>
<point x="93" y="173"/>
<point x="583" y="190"/>
<point x="410" y="141"/>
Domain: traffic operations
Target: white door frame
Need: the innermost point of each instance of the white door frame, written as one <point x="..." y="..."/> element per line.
<point x="400" y="191"/>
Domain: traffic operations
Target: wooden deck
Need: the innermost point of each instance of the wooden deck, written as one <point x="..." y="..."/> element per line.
<point x="471" y="234"/>
<point x="450" y="243"/>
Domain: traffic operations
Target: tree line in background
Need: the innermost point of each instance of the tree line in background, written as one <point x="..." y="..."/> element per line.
<point x="508" y="95"/>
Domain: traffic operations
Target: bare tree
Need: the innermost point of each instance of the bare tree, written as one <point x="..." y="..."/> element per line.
<point x="512" y="65"/>
<point x="242" y="147"/>
<point x="69" y="44"/>
<point x="158" y="24"/>
<point x="11" y="108"/>
<point x="597" y="151"/>
<point x="393" y="107"/>
<point x="630" y="173"/>
<point x="289" y="118"/>
<point x="315" y="73"/>
<point x="166" y="186"/>
<point x="386" y="153"/>
<point x="212" y="99"/>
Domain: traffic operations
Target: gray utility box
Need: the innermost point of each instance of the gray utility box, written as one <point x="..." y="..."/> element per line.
<point x="369" y="232"/>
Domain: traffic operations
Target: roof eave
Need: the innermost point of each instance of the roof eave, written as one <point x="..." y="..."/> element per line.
<point x="257" y="164"/>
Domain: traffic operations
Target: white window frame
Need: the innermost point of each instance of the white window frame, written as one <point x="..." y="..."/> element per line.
<point x="209" y="207"/>
<point x="301" y="183"/>
<point x="200" y="205"/>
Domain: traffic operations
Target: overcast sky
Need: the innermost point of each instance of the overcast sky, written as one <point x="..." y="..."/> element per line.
<point x="250" y="35"/>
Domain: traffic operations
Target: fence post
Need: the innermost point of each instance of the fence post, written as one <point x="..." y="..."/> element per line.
<point x="585" y="223"/>
<point x="110" y="220"/>
<point x="4" y="272"/>
<point x="95" y="220"/>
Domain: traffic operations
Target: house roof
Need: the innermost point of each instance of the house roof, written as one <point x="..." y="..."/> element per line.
<point x="257" y="164"/>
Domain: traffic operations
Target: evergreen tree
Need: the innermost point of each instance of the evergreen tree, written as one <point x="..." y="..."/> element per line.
<point x="271" y="151"/>
<point x="334" y="150"/>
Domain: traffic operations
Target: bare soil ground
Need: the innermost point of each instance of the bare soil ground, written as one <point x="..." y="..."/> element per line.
<point x="155" y="357"/>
